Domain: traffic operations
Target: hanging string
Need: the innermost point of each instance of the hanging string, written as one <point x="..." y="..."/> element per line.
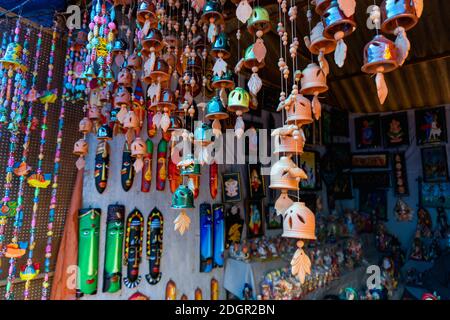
<point x="309" y="17"/>
<point x="12" y="96"/>
<point x="18" y="217"/>
<point x="39" y="171"/>
<point x="56" y="167"/>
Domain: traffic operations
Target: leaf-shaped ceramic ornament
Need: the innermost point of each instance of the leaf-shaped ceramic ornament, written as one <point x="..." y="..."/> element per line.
<point x="402" y="44"/>
<point x="259" y="49"/>
<point x="382" y="89"/>
<point x="300" y="263"/>
<point x="182" y="222"/>
<point x="347" y="6"/>
<point x="243" y="11"/>
<point x="254" y="84"/>
<point x="220" y="67"/>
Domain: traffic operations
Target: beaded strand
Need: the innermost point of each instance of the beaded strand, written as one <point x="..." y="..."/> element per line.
<point x="39" y="170"/>
<point x="53" y="202"/>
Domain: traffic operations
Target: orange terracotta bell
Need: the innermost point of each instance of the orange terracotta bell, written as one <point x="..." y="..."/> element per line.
<point x="125" y="78"/>
<point x="313" y="80"/>
<point x="135" y="62"/>
<point x="299" y="222"/>
<point x="298" y="111"/>
<point x="85" y="126"/>
<point x="338" y="23"/>
<point x="286" y="175"/>
<point x="81" y="148"/>
<point x="320" y="5"/>
<point x="122" y="97"/>
<point x="380" y="56"/>
<point x="289" y="139"/>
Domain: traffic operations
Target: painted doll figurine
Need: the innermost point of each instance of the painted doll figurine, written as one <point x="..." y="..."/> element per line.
<point x="147" y="169"/>
<point x="155" y="230"/>
<point x="219" y="235"/>
<point x="133" y="247"/>
<point x="112" y="273"/>
<point x="171" y="290"/>
<point x="88" y="245"/>
<point x="101" y="166"/>
<point x="127" y="172"/>
<point x="214" y="289"/>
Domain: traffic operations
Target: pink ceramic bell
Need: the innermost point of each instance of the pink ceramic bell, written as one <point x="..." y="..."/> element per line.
<point x="298" y="111"/>
<point x="85" y="126"/>
<point x="125" y="78"/>
<point x="138" y="151"/>
<point x="286" y="175"/>
<point x="81" y="148"/>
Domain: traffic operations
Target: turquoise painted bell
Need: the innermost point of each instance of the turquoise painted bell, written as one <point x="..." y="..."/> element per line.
<point x="183" y="198"/>
<point x="221" y="45"/>
<point x="120" y="46"/>
<point x="225" y="81"/>
<point x="215" y="109"/>
<point x="191" y="169"/>
<point x="104" y="132"/>
<point x="203" y="134"/>
<point x="212" y="11"/>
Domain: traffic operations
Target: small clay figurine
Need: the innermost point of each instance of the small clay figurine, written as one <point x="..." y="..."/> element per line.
<point x="424" y="224"/>
<point x="417" y="252"/>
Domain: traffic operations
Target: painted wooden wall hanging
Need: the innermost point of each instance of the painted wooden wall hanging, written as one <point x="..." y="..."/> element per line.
<point x="133" y="247"/>
<point x="155" y="229"/>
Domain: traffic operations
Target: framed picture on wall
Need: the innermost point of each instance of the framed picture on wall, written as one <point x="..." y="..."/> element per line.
<point x="339" y="120"/>
<point x="434" y="195"/>
<point x="309" y="162"/>
<point x="374" y="202"/>
<point x="370" y="160"/>
<point x="254" y="217"/>
<point x="434" y="164"/>
<point x="395" y="130"/>
<point x="256" y="184"/>
<point x="231" y="187"/>
<point x="367" y="132"/>
<point x="400" y="176"/>
<point x="342" y="187"/>
<point x="431" y="126"/>
<point x="273" y="221"/>
<point x="371" y="179"/>
<point x="234" y="225"/>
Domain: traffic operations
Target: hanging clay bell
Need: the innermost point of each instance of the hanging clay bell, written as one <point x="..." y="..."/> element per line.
<point x="286" y="175"/>
<point x="167" y="100"/>
<point x="183" y="198"/>
<point x="299" y="111"/>
<point x="335" y="20"/>
<point x="125" y="78"/>
<point x="195" y="63"/>
<point x="289" y="139"/>
<point x="215" y="109"/>
<point x="119" y="47"/>
<point x="313" y="80"/>
<point x="154" y="39"/>
<point x="175" y="123"/>
<point x="259" y="21"/>
<point x="104" y="132"/>
<point x="81" y="148"/>
<point x="238" y="100"/>
<point x="380" y="56"/>
<point x="131" y="120"/>
<point x="122" y="97"/>
<point x="225" y="81"/>
<point x="13" y="57"/>
<point x="299" y="222"/>
<point x="212" y="11"/>
<point x="398" y="13"/>
<point x="135" y="62"/>
<point x="339" y="23"/>
<point x="194" y="86"/>
<point x="250" y="60"/>
<point x="94" y="113"/>
<point x="221" y="46"/>
<point x="105" y="95"/>
<point x="317" y="43"/>
<point x="85" y="126"/>
<point x="203" y="134"/>
<point x="320" y="5"/>
<point x="161" y="72"/>
<point x="147" y="12"/>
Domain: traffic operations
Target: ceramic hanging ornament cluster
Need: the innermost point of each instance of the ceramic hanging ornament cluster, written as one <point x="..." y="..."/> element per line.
<point x="297" y="110"/>
<point x="382" y="55"/>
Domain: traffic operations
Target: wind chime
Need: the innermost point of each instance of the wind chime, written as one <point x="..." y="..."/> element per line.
<point x="56" y="169"/>
<point x="285" y="175"/>
<point x="382" y="55"/>
<point x="338" y="22"/>
<point x="13" y="62"/>
<point x="39" y="180"/>
<point x="22" y="170"/>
